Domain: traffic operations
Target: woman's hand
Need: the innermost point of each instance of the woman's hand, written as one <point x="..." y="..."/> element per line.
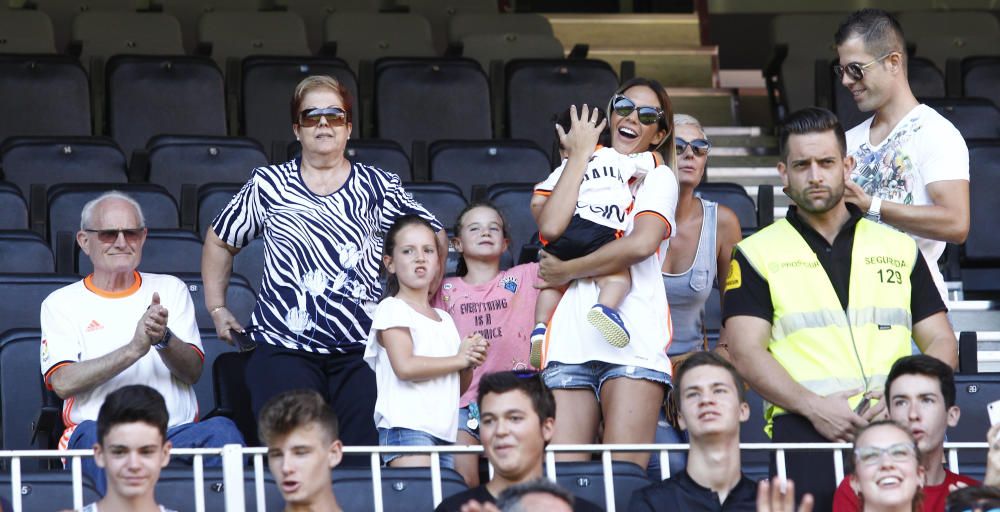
<point x="473" y="350"/>
<point x="584" y="132"/>
<point x="224" y="321"/>
<point x="552" y="271"/>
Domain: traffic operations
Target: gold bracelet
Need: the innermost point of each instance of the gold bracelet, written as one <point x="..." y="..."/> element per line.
<point x="216" y="308"/>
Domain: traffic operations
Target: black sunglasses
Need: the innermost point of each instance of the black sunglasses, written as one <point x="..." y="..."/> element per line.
<point x="700" y="147"/>
<point x="856" y="70"/>
<point x="110" y="236"/>
<point x="624" y="108"/>
<point x="310" y="117"/>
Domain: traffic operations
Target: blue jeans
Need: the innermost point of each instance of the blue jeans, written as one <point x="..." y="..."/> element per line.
<point x="399" y="436"/>
<point x="593" y="374"/>
<point x="211" y="433"/>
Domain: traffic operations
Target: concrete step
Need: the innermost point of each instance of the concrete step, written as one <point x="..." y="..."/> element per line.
<point x="628" y="30"/>
<point x="713" y="107"/>
<point x="672" y="67"/>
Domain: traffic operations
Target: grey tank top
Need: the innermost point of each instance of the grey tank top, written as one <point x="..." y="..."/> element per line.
<point x="688" y="292"/>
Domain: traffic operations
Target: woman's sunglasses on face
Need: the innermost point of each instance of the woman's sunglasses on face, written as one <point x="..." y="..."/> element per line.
<point x="335" y="116"/>
<point x="624" y="108"/>
<point x="700" y="147"/>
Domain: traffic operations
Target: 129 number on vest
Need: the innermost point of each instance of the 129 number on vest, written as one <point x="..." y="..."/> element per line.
<point x="890" y="276"/>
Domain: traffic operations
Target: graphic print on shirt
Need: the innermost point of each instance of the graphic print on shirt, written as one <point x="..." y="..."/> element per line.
<point x="888" y="172"/>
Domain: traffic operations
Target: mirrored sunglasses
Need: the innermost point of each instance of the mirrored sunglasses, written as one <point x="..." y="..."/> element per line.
<point x="110" y="236"/>
<point x="855" y="70"/>
<point x="700" y="147"/>
<point x="335" y="116"/>
<point x="624" y="108"/>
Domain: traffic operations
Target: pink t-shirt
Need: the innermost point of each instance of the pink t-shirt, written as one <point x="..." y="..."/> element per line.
<point x="935" y="496"/>
<point x="501" y="310"/>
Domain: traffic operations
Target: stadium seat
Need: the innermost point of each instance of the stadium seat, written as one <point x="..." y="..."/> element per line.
<point x="396" y="35"/>
<point x="51" y="160"/>
<point x="981" y="78"/>
<point x="972" y="394"/>
<point x="249" y="263"/>
<point x="13" y="207"/>
<point x="538" y="90"/>
<point x="403" y="489"/>
<point x="926" y="81"/>
<point x="239" y="34"/>
<point x="22" y="296"/>
<point x="981" y="252"/>
<point x="755" y="463"/>
<point x="102" y="34"/>
<point x="513" y="200"/>
<point x="444" y="200"/>
<point x="66" y="202"/>
<point x="440" y="12"/>
<point x="48" y="490"/>
<point x="155" y="95"/>
<point x="166" y="251"/>
<point x="175" y="161"/>
<point x="29" y="85"/>
<point x="173" y="490"/>
<point x="975" y="118"/>
<point x="20" y="387"/>
<point x="384" y="154"/>
<point x="464" y="24"/>
<point x="487" y="48"/>
<point x="232" y="398"/>
<point x="586" y="480"/>
<point x="62" y="13"/>
<point x="431" y="99"/>
<point x="736" y="198"/>
<point x="240" y="299"/>
<point x="315" y="12"/>
<point x="471" y="163"/>
<point x="23" y="251"/>
<point x="268" y="84"/>
<point x="203" y="389"/>
<point x="212" y="198"/>
<point x="26" y="31"/>
<point x="797" y="41"/>
<point x="942" y="35"/>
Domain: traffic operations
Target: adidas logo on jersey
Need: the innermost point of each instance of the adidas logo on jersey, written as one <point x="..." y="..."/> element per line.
<point x="94" y="326"/>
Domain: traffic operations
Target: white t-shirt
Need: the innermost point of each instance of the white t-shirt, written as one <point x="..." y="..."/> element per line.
<point x="429" y="405"/>
<point x="922" y="148"/>
<point x="82" y="322"/>
<point x="572" y="340"/>
<point x="604" y="196"/>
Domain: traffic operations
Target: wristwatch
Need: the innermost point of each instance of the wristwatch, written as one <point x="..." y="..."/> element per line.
<point x="165" y="340"/>
<point x="875" y="209"/>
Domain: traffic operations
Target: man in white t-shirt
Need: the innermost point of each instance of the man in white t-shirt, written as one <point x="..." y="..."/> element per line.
<point x="119" y="327"/>
<point x="911" y="164"/>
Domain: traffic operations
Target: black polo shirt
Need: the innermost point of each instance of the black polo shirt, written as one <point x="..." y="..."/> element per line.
<point x="482" y="495"/>
<point x="681" y="492"/>
<point x="753" y="296"/>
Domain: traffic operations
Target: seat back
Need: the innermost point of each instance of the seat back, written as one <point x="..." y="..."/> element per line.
<point x="471" y="163"/>
<point x="20" y="387"/>
<point x="444" y="200"/>
<point x="982" y="247"/>
<point x="735" y="197"/>
<point x="371" y="36"/>
<point x="22" y="296"/>
<point x="755" y="463"/>
<point x="537" y="90"/>
<point x="805" y="45"/>
<point x="166" y="251"/>
<point x="513" y="200"/>
<point x="268" y="84"/>
<point x="586" y="480"/>
<point x="981" y="78"/>
<point x="26" y="31"/>
<point x="486" y="48"/>
<point x="943" y="35"/>
<point x="972" y="394"/>
<point x="238" y="34"/>
<point x="173" y="490"/>
<point x="62" y="13"/>
<point x="66" y="202"/>
<point x="175" y="161"/>
<point x="48" y="490"/>
<point x="315" y="12"/>
<point x="240" y="299"/>
<point x="106" y="33"/>
<point x="403" y="489"/>
<point x="975" y="118"/>
<point x="28" y="86"/>
<point x="212" y="198"/>
<point x="23" y="251"/>
<point x="464" y="24"/>
<point x="13" y="207"/>
<point x="249" y="263"/>
<point x="431" y="99"/>
<point x="51" y="160"/>
<point x="149" y="96"/>
<point x="384" y="154"/>
<point x="440" y="12"/>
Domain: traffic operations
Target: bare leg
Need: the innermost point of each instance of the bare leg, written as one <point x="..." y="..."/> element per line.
<point x="467" y="464"/>
<point x="576" y="422"/>
<point x="411" y="461"/>
<point x="631" y="409"/>
<point x="546" y="304"/>
<point x="614" y="288"/>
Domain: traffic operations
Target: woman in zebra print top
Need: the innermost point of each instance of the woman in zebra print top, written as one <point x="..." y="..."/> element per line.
<point x="321" y="218"/>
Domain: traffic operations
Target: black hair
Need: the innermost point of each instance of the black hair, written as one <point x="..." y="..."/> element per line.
<point x="811" y="120"/>
<point x="922" y="364"/>
<point x="389" y="244"/>
<point x="462" y="269"/>
<point x="880" y="31"/>
<point x="968" y="498"/>
<point x="135" y="403"/>
<point x="529" y="383"/>
<point x="510" y="499"/>
<point x="564" y="119"/>
<point x="293" y="409"/>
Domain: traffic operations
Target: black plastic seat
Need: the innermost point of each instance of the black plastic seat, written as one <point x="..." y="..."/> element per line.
<point x="384" y="154"/>
<point x="23" y="251"/>
<point x="48" y="490"/>
<point x="444" y="200"/>
<point x="981" y="78"/>
<point x="66" y="202"/>
<point x="471" y="163"/>
<point x="20" y="387"/>
<point x="212" y="198"/>
<point x="972" y="394"/>
<point x="13" y="207"/>
<point x="975" y="118"/>
<point x="174" y="490"/>
<point x="735" y="197"/>
<point x="166" y="251"/>
<point x="403" y="489"/>
<point x="240" y="299"/>
<point x="175" y="161"/>
<point x="22" y="296"/>
<point x="586" y="480"/>
<point x="50" y="160"/>
<point x="755" y="463"/>
<point x="514" y="200"/>
<point x="29" y="88"/>
<point x="981" y="252"/>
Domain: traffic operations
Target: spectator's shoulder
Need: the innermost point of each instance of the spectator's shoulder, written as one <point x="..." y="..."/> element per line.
<point x="63" y="292"/>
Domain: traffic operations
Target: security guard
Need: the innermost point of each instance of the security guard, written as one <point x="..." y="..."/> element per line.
<point x="819" y="305"/>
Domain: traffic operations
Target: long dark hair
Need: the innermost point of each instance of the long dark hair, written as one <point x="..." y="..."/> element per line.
<point x="389" y="244"/>
<point x="462" y="269"/>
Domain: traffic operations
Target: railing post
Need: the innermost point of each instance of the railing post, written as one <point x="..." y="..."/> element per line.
<point x="550" y="466"/>
<point x="15" y="483"/>
<point x="77" y="468"/>
<point x="436" y="478"/>
<point x="664" y="465"/>
<point x="838" y="466"/>
<point x="609" y="481"/>
<point x="953" y="460"/>
<point x="377" y="481"/>
<point x="199" y="484"/>
<point x="232" y="477"/>
<point x="258" y="482"/>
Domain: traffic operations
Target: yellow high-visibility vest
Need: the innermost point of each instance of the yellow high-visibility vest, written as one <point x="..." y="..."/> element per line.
<point x="824" y="347"/>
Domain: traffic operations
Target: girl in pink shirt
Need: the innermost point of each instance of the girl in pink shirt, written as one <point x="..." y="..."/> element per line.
<point x="497" y="304"/>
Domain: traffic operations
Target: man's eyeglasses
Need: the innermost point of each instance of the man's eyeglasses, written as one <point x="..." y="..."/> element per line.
<point x="335" y="116"/>
<point x="110" y="236"/>
<point x="871" y="455"/>
<point x="856" y="70"/>
<point x="624" y="108"/>
<point x="700" y="147"/>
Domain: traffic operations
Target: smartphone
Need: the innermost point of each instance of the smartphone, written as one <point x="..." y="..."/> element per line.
<point x="242" y="340"/>
<point x="863" y="406"/>
<point x="993" y="409"/>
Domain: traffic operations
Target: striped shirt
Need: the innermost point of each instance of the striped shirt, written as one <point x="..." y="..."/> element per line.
<point x="321" y="253"/>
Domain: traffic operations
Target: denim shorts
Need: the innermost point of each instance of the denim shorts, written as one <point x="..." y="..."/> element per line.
<point x="399" y="436"/>
<point x="593" y="375"/>
<point x="463" y="423"/>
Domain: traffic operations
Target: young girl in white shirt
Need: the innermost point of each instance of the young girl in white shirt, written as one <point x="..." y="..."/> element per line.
<point x="421" y="364"/>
